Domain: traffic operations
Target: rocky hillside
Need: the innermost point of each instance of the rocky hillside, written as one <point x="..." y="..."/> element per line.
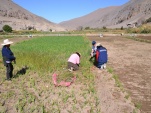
<point x="21" y="19"/>
<point x="132" y="14"/>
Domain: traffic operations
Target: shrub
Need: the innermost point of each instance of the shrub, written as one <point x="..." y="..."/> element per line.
<point x="146" y="30"/>
<point x="122" y="28"/>
<point x="148" y="20"/>
<point x="104" y="27"/>
<point x="7" y="28"/>
<point x="87" y="28"/>
<point x="142" y="29"/>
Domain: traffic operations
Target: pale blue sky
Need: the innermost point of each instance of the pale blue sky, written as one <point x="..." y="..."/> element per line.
<point x="62" y="10"/>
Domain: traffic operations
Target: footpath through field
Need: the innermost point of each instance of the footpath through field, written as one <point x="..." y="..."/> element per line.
<point x="131" y="61"/>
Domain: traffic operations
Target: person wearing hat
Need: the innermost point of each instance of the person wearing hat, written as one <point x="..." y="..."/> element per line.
<point x="8" y="57"/>
<point x="93" y="51"/>
<point x="101" y="56"/>
<point x="74" y="61"/>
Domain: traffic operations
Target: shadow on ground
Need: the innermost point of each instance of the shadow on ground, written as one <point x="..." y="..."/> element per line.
<point x="21" y="72"/>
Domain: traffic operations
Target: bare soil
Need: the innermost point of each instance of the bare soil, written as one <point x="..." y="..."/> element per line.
<point x="144" y="37"/>
<point x="131" y="61"/>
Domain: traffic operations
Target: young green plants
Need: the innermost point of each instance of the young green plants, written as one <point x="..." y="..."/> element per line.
<point x="44" y="56"/>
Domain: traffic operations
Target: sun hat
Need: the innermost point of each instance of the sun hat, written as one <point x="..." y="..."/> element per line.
<point x="93" y="42"/>
<point x="98" y="44"/>
<point x="6" y="42"/>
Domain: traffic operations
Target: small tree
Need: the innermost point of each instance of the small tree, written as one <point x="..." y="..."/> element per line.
<point x="87" y="28"/>
<point x="104" y="27"/>
<point x="122" y="28"/>
<point x="148" y="20"/>
<point x="50" y="30"/>
<point x="7" y="28"/>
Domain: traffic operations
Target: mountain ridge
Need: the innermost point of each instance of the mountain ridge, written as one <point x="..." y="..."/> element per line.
<point x="21" y="19"/>
<point x="132" y="12"/>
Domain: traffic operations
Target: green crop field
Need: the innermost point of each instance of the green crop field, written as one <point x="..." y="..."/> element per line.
<point x="32" y="88"/>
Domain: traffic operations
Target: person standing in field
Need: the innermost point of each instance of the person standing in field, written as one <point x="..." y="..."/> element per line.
<point x="8" y="57"/>
<point x="74" y="61"/>
<point x="101" y="56"/>
<point x="93" y="50"/>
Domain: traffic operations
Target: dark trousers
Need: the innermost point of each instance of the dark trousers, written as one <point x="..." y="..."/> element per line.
<point x="9" y="70"/>
<point x="74" y="66"/>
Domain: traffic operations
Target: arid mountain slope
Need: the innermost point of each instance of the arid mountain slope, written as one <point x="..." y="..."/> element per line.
<point x="19" y="18"/>
<point x="135" y="11"/>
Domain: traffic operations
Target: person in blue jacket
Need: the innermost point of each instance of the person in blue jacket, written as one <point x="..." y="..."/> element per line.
<point x="101" y="56"/>
<point x="93" y="50"/>
<point x="8" y="57"/>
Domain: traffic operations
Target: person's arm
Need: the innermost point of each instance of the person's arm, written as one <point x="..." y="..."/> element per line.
<point x="97" y="55"/>
<point x="78" y="60"/>
<point x="9" y="55"/>
<point x="92" y="52"/>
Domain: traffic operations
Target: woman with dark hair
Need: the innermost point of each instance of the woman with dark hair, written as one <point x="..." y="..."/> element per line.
<point x="74" y="61"/>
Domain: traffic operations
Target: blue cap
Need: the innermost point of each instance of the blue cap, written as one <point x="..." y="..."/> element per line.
<point x="93" y="42"/>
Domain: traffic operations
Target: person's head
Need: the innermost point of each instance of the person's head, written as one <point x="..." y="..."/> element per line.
<point x="78" y="54"/>
<point x="93" y="42"/>
<point x="6" y="42"/>
<point x="98" y="45"/>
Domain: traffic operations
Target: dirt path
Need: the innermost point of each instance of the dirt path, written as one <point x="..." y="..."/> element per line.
<point x="131" y="61"/>
<point x="112" y="99"/>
